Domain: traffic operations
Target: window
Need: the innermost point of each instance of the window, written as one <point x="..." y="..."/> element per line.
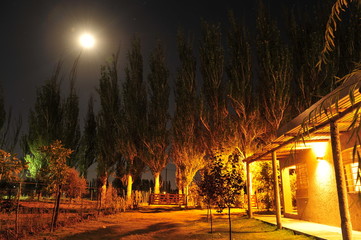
<point x="351" y="171"/>
<point x="353" y="184"/>
<point x="302" y="180"/>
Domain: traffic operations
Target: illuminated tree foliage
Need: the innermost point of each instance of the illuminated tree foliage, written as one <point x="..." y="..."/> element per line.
<point x="107" y="132"/>
<point x="88" y="141"/>
<point x="75" y="186"/>
<point x="187" y="151"/>
<point x="10" y="166"/>
<point x="248" y="127"/>
<point x="213" y="111"/>
<point x="222" y="182"/>
<point x="133" y="121"/>
<point x="263" y="183"/>
<point x="157" y="135"/>
<point x="275" y="70"/>
<point x="52" y="119"/>
<point x="55" y="173"/>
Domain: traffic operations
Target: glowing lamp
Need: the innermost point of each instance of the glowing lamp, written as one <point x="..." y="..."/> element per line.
<point x="319" y="148"/>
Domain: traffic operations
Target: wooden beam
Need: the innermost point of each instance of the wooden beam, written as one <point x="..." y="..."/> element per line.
<point x="346" y="225"/>
<point x="310" y="131"/>
<point x="276" y="191"/>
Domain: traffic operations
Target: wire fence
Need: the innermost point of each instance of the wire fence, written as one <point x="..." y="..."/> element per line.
<point x="27" y="208"/>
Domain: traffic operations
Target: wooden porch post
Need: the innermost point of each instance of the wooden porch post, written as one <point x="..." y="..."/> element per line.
<point x="346" y="225"/>
<point x="276" y="190"/>
<point x="249" y="191"/>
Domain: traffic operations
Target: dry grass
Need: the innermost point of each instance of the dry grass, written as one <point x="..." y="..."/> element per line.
<point x="154" y="223"/>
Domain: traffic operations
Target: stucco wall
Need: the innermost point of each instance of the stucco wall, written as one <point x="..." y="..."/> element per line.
<point x="320" y="203"/>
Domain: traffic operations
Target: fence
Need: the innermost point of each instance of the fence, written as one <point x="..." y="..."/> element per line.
<point x="27" y="208"/>
<point x="167" y="199"/>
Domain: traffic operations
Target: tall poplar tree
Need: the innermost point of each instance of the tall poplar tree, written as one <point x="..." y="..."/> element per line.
<point x="45" y="122"/>
<point x="88" y="140"/>
<point x="187" y="151"/>
<point x="70" y="120"/>
<point x="157" y="135"/>
<point x="133" y="121"/>
<point x="107" y="130"/>
<point x="247" y="123"/>
<point x="9" y="134"/>
<point x="306" y="41"/>
<point x="214" y="111"/>
<point x="275" y="70"/>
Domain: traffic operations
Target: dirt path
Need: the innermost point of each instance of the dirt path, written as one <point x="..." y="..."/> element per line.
<point x="167" y="224"/>
<point x="143" y="224"/>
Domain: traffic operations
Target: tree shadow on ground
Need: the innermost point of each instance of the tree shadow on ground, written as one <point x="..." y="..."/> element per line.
<point x="159" y="209"/>
<point x="114" y="232"/>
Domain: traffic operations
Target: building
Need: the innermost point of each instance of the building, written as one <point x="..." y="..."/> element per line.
<point x="319" y="150"/>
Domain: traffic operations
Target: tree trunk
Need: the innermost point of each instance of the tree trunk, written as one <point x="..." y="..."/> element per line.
<point x="346" y="225"/>
<point x="186" y="192"/>
<point x="129" y="187"/>
<point x="103" y="190"/>
<point x="56" y="210"/>
<point x="17" y="211"/>
<point x="156" y="183"/>
<point x="210" y="214"/>
<point x="229" y="223"/>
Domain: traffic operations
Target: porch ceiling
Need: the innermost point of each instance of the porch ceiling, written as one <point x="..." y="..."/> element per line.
<point x="313" y="124"/>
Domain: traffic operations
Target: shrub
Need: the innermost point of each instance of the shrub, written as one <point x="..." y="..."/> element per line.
<point x="74" y="185"/>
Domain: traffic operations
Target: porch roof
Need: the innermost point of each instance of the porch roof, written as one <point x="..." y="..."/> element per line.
<point x="313" y="124"/>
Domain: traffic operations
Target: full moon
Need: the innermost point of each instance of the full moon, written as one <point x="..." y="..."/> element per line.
<point x="87" y="40"/>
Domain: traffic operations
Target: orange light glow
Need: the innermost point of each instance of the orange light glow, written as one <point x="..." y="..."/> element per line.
<point x="319" y="148"/>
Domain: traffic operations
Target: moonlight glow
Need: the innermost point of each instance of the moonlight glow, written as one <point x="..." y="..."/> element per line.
<point x="87" y="40"/>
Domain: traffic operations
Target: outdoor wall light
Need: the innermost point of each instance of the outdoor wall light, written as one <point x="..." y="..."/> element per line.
<point x="319" y="148"/>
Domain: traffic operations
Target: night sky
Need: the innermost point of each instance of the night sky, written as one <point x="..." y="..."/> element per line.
<point x="35" y="35"/>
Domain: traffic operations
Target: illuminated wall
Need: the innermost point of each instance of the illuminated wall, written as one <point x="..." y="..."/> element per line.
<point x="317" y="200"/>
<point x="317" y="197"/>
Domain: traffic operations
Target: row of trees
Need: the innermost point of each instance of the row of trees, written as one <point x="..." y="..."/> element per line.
<point x="233" y="95"/>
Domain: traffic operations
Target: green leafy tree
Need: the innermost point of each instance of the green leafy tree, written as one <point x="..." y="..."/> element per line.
<point x="133" y="121"/>
<point x="45" y="122"/>
<point x="263" y="183"/>
<point x="187" y="151"/>
<point x="222" y="182"/>
<point x="52" y="118"/>
<point x="157" y="135"/>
